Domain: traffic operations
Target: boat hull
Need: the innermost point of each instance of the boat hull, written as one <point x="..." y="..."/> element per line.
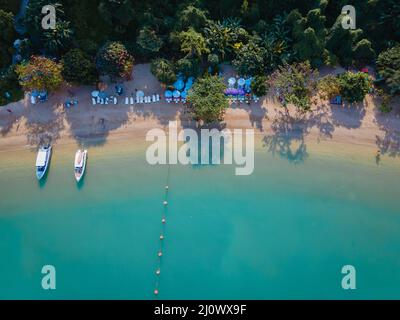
<point x="41" y="173"/>
<point x="79" y="175"/>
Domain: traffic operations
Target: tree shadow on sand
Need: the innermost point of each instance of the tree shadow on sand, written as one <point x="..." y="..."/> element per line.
<point x="389" y="124"/>
<point x="288" y="134"/>
<point x="349" y="116"/>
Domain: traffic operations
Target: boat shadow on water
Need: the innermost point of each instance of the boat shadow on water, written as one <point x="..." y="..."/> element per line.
<point x="42" y="182"/>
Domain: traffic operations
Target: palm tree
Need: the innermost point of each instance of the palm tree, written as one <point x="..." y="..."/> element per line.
<point x="193" y="44"/>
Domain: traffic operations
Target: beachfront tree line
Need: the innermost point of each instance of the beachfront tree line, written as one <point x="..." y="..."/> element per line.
<point x="279" y="43"/>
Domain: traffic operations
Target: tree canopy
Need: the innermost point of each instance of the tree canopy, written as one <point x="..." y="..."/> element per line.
<point x="207" y="99"/>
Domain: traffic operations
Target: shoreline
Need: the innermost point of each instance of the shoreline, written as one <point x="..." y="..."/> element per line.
<point x="348" y="127"/>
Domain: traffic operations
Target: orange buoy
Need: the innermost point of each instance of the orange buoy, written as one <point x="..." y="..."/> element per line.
<point x="156" y="292"/>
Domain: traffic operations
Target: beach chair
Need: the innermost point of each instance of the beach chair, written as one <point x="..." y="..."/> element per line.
<point x="137" y="100"/>
<point x="157" y="97"/>
<point x="131" y="100"/>
<point x="154" y="98"/>
<point x="106" y="100"/>
<point x="93" y="101"/>
<point x="126" y="100"/>
<point x="101" y="101"/>
<point x="140" y="99"/>
<point x="115" y="100"/>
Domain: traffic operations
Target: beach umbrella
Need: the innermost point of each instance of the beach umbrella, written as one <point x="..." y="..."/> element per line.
<point x="35" y="93"/>
<point x="168" y="94"/>
<point x="176" y="94"/>
<point x="179" y="84"/>
<point x="95" y="93"/>
<point x="190" y="80"/>
<point x="188" y="85"/>
<point x="248" y="82"/>
<point x="184" y="94"/>
<point x="240" y="92"/>
<point x="139" y="94"/>
<point x="231" y="81"/>
<point x="241" y="82"/>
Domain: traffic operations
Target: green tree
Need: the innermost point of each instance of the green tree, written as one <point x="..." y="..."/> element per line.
<point x="207" y="99"/>
<point x="193" y="44"/>
<point x="249" y="60"/>
<point x="9" y="84"/>
<point x="40" y="73"/>
<point x="355" y="86"/>
<point x="295" y="84"/>
<point x="329" y="87"/>
<point x="187" y="67"/>
<point x="219" y="38"/>
<point x="163" y="70"/>
<point x="7" y="35"/>
<point x="114" y="60"/>
<point x="149" y="41"/>
<point x="309" y="35"/>
<point x="259" y="86"/>
<point x="363" y="52"/>
<point x="58" y="40"/>
<point x="192" y="17"/>
<point x="78" y="68"/>
<point x="388" y="64"/>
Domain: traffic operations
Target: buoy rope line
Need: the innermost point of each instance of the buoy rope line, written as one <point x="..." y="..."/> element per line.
<point x="162" y="235"/>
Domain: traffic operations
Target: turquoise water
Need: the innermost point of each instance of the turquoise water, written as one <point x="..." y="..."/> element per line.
<point x="283" y="232"/>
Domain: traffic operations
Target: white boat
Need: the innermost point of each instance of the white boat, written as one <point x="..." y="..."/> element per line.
<point x="42" y="161"/>
<point x="80" y="164"/>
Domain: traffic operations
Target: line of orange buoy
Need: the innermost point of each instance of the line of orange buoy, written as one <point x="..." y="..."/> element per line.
<point x="162" y="237"/>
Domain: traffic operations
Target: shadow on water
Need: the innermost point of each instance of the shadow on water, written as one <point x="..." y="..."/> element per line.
<point x="42" y="182"/>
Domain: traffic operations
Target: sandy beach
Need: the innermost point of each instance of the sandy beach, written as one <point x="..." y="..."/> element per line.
<point x="30" y="125"/>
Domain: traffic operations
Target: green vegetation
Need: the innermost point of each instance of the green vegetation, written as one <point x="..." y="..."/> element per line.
<point x="163" y="70"/>
<point x="259" y="86"/>
<point x="78" y="68"/>
<point x="388" y="64"/>
<point x="9" y="85"/>
<point x="295" y="84"/>
<point x="193" y="38"/>
<point x="7" y="37"/>
<point x="40" y="73"/>
<point x="354" y="86"/>
<point x="114" y="60"/>
<point x="207" y="99"/>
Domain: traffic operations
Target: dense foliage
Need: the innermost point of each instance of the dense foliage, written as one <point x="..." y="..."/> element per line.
<point x="40" y="73"/>
<point x="163" y="70"/>
<point x="7" y="37"/>
<point x="207" y="99"/>
<point x="114" y="60"/>
<point x="10" y="90"/>
<point x="194" y="36"/>
<point x="354" y="86"/>
<point x="295" y="84"/>
<point x="78" y="68"/>
<point x="388" y="64"/>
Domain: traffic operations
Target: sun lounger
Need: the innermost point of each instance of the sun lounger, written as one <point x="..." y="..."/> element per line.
<point x="140" y="99"/>
<point x="93" y="101"/>
<point x="157" y="97"/>
<point x="137" y="100"/>
<point x="98" y="100"/>
<point x="115" y="100"/>
<point x="131" y="100"/>
<point x="101" y="101"/>
<point x="106" y="100"/>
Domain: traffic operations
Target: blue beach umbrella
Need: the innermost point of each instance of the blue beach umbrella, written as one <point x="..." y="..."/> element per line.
<point x="188" y="85"/>
<point x="184" y="94"/>
<point x="241" y="82"/>
<point x="179" y="84"/>
<point x="35" y="93"/>
<point x="102" y="95"/>
<point x="168" y="94"/>
<point x="176" y="94"/>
